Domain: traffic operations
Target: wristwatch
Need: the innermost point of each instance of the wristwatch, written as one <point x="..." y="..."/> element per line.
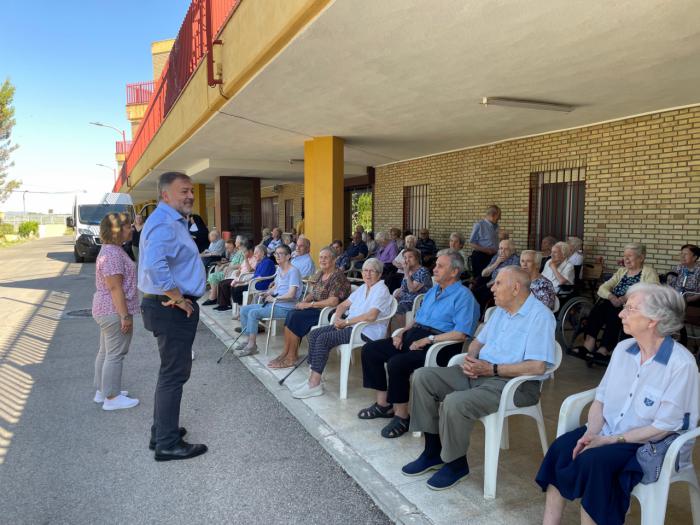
<point x="495" y="370"/>
<point x="431" y="338"/>
<point x="621" y="439"/>
<point x="127" y="317"/>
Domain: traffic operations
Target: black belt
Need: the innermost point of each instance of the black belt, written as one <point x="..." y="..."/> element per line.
<point x="431" y="331"/>
<point x="165" y="298"/>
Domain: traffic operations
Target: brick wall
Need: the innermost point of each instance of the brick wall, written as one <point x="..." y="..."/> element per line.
<point x="642" y="184"/>
<point x="288" y="191"/>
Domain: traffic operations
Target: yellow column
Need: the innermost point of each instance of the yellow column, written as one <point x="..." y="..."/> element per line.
<point x="323" y="191"/>
<point x="200" y="202"/>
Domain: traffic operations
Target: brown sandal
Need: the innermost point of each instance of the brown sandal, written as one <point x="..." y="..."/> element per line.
<point x="277" y="364"/>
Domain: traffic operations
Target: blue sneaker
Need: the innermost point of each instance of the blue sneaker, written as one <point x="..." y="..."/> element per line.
<point x="449" y="475"/>
<point x="422" y="465"/>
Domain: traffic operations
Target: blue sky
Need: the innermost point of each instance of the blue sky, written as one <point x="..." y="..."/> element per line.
<point x="70" y="62"/>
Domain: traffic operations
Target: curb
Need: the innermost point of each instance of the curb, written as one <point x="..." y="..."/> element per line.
<point x="384" y="494"/>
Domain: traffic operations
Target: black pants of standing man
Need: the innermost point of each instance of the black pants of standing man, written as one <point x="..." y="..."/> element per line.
<point x="175" y="334"/>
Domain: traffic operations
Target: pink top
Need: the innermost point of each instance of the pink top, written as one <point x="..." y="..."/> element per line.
<point x="113" y="260"/>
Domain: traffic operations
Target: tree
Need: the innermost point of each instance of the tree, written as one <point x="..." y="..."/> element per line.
<point x="362" y="210"/>
<point x="7" y="122"/>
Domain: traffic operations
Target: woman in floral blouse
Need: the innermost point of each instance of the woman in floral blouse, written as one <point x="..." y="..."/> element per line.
<point x="329" y="287"/>
<point x="113" y="306"/>
<point x="416" y="280"/>
<point x="541" y="287"/>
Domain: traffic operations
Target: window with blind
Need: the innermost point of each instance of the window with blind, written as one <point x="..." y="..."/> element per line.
<point x="416" y="208"/>
<point x="288" y="215"/>
<point x="556" y="204"/>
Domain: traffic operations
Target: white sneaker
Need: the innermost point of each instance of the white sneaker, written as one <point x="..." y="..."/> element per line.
<point x="192" y="355"/>
<point x="119" y="403"/>
<point x="100" y="397"/>
<point x="246" y="350"/>
<point x="307" y="391"/>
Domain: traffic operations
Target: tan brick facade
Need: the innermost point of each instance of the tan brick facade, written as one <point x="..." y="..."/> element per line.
<point x="287" y="191"/>
<point x="642" y="184"/>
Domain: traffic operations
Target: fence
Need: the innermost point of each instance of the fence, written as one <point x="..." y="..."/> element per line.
<point x="41" y="218"/>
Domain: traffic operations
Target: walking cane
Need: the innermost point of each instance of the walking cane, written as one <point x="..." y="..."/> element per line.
<point x="297" y="365"/>
<point x="229" y="348"/>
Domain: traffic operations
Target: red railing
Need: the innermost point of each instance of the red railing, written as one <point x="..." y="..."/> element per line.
<point x="122" y="147"/>
<point x="139" y="92"/>
<point x="203" y="22"/>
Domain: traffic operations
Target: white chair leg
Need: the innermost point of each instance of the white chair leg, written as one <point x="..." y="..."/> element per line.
<point x="542" y="431"/>
<point x="267" y="337"/>
<point x="345" y="355"/>
<point x="492" y="438"/>
<point x="505" y="439"/>
<point x="652" y="502"/>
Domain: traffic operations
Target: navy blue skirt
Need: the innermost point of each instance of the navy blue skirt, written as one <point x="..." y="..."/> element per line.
<point x="300" y="322"/>
<point x="602" y="477"/>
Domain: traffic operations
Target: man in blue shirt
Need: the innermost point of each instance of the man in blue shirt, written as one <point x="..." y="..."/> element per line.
<point x="357" y="251"/>
<point x="448" y="313"/>
<point x="518" y="340"/>
<point x="172" y="278"/>
<point x="484" y="239"/>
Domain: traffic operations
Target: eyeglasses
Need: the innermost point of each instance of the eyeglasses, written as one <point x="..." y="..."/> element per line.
<point x="369" y="270"/>
<point x="280" y="254"/>
<point x="627" y="308"/>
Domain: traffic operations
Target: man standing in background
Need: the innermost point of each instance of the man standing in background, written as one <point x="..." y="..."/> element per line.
<point x="484" y="239"/>
<point x="172" y="278"/>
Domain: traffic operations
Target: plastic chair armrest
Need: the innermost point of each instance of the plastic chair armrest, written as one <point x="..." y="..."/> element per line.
<point x="669" y="463"/>
<point x="434" y="350"/>
<point x="570" y="411"/>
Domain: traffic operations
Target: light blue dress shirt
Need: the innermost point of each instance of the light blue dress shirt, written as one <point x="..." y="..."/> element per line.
<point x="168" y="257"/>
<point x="527" y="335"/>
<point x="305" y="264"/>
<point x="485" y="234"/>
<point x="453" y="308"/>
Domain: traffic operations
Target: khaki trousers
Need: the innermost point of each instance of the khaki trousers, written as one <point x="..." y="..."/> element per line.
<point x="114" y="345"/>
<point x="448" y="403"/>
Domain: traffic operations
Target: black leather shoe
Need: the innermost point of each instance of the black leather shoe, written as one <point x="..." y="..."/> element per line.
<point x="238" y="329"/>
<point x="209" y="302"/>
<point x="222" y="308"/>
<point x="182" y="450"/>
<point x="152" y="443"/>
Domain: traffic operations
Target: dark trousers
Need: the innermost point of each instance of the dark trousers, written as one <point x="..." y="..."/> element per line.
<point x="175" y="334"/>
<point x="223" y="292"/>
<point x="606" y="316"/>
<point x="400" y="364"/>
<point x="480" y="260"/>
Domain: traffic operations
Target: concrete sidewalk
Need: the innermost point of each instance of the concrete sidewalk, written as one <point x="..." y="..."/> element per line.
<point x="64" y="460"/>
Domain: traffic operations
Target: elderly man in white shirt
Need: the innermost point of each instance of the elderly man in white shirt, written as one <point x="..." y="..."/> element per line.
<point x="302" y="261"/>
<point x="649" y="390"/>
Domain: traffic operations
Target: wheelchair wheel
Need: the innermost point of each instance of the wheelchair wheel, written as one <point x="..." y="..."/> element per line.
<point x="571" y="322"/>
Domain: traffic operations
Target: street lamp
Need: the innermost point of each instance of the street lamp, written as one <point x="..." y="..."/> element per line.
<point x="120" y="131"/>
<point x="113" y="170"/>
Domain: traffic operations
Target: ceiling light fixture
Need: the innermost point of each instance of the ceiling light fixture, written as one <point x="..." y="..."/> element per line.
<point x="526" y="104"/>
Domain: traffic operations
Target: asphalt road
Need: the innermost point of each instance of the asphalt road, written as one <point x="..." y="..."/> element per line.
<point x="64" y="460"/>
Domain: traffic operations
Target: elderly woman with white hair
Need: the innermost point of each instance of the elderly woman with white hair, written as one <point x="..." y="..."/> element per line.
<point x="540" y="286"/>
<point x="558" y="269"/>
<point x="370" y="302"/>
<point x="649" y="391"/>
<point x="613" y="292"/>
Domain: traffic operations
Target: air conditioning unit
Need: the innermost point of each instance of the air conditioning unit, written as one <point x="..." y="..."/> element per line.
<point x="277" y="188"/>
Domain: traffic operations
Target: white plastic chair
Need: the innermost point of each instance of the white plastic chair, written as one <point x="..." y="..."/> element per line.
<point x="488" y="313"/>
<point x="250" y="293"/>
<point x="496" y="425"/>
<point x="355" y="342"/>
<point x="652" y="497"/>
<point x="417" y="302"/>
<point x="557" y="304"/>
<point x="434" y="349"/>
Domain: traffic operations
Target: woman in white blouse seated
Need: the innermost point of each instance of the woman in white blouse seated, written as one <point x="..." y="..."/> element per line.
<point x="558" y="269"/>
<point x="649" y="390"/>
<point x="369" y="302"/>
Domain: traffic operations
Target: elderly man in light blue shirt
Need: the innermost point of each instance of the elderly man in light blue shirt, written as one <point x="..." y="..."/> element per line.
<point x="518" y="340"/>
<point x="484" y="239"/>
<point x="171" y="275"/>
<point x="302" y="261"/>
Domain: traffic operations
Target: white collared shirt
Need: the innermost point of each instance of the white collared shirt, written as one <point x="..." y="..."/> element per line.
<point x="663" y="392"/>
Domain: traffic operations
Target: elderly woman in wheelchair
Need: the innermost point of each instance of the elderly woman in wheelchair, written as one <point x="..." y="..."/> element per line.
<point x="612" y="297"/>
<point x="650" y="390"/>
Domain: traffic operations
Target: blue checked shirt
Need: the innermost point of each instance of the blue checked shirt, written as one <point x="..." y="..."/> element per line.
<point x="168" y="257"/>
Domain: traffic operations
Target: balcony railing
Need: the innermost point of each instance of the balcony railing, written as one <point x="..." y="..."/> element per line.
<point x="139" y="92"/>
<point x="203" y="22"/>
<point x="122" y="148"/>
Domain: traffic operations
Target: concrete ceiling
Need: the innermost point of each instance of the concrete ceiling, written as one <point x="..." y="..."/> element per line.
<point x="403" y="78"/>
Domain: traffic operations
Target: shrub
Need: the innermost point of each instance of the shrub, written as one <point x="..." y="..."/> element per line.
<point x="6" y="229"/>
<point x="27" y="228"/>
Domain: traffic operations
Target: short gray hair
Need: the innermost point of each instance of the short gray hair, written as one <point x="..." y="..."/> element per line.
<point x="662" y="304"/>
<point x="167" y="178"/>
<point x="241" y="239"/>
<point x="518" y="275"/>
<point x="330" y="250"/>
<point x="380" y="236"/>
<point x="374" y="264"/>
<point x="260" y="248"/>
<point x="493" y="210"/>
<point x="456" y="260"/>
<point x="638" y="248"/>
<point x="538" y="255"/>
<point x="575" y="243"/>
<point x="458" y="236"/>
<point x="565" y="249"/>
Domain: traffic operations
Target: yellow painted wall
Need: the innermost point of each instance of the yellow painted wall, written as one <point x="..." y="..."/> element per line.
<point x="252" y="37"/>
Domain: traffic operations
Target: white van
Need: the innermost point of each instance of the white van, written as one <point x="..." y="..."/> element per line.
<point x="88" y="212"/>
